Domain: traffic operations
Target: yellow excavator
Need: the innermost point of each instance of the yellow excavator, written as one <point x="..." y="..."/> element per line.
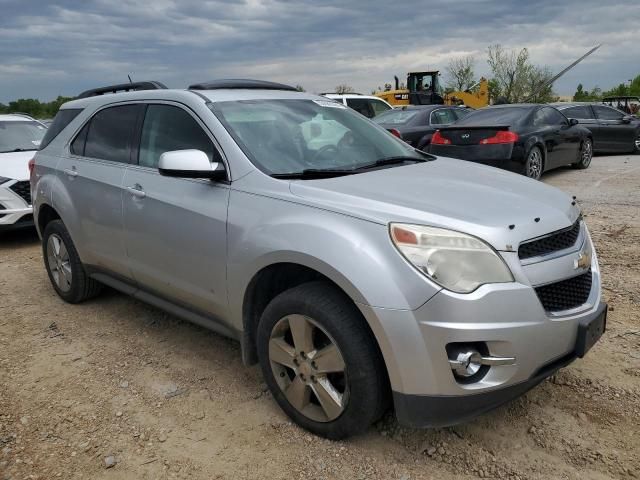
<point x="423" y="89"/>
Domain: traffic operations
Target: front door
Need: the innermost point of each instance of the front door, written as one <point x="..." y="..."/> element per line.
<point x="176" y="227"/>
<point x="618" y="135"/>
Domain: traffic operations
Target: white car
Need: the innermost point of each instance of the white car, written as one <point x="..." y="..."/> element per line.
<point x="367" y="105"/>
<point x="20" y="137"/>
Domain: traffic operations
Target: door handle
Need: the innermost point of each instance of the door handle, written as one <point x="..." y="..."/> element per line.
<point x="137" y="191"/>
<point x="72" y="172"/>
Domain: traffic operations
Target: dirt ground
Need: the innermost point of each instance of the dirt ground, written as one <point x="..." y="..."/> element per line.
<point x="116" y="389"/>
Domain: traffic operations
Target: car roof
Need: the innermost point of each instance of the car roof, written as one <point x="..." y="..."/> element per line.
<point x="563" y="105"/>
<point x="217" y="95"/>
<point x="9" y="117"/>
<point x="350" y="95"/>
<point x="518" y="105"/>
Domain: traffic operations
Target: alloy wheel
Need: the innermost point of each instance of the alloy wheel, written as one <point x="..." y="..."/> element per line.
<point x="309" y="368"/>
<point x="59" y="263"/>
<point x="637" y="143"/>
<point x="587" y="153"/>
<point x="534" y="164"/>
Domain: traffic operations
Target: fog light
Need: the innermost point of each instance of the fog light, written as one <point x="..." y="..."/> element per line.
<point x="468" y="364"/>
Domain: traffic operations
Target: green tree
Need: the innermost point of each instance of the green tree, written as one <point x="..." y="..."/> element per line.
<point x="460" y="73"/>
<point x="344" y="88"/>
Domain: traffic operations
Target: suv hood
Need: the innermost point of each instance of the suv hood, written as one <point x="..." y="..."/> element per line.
<point x="15" y="165"/>
<point x="463" y="196"/>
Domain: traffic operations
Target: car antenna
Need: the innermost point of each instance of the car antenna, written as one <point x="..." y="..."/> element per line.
<point x="129" y="77"/>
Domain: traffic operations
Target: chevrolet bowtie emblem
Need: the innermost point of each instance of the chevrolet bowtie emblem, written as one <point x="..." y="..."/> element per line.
<point x="583" y="261"/>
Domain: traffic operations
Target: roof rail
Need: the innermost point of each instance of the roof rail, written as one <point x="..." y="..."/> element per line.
<point x="123" y="87"/>
<point x="239" y="83"/>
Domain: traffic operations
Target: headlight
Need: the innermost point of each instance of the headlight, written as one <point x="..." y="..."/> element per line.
<point x="3" y="180"/>
<point x="458" y="262"/>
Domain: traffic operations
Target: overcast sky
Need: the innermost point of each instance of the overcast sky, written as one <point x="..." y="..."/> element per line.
<point x="51" y="48"/>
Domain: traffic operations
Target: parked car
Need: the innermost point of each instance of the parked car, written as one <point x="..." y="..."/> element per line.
<point x="524" y="138"/>
<point x="415" y="124"/>
<point x="611" y="129"/>
<point x="626" y="104"/>
<point x="20" y="137"/>
<point x="355" y="269"/>
<point x="367" y="105"/>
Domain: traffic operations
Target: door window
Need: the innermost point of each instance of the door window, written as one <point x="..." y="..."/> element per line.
<point x="110" y="133"/>
<point x="167" y="128"/>
<point x="607" y="113"/>
<point x="361" y="105"/>
<point x="442" y="116"/>
<point x="378" y="107"/>
<point x="581" y="112"/>
<point x="549" y="116"/>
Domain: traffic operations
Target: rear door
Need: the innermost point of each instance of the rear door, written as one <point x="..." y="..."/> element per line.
<point x="176" y="227"/>
<point x="585" y="116"/>
<point x="92" y="175"/>
<point x="617" y="135"/>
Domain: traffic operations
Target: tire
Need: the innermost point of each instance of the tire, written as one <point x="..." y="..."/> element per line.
<point x="331" y="327"/>
<point x="584" y="155"/>
<point x="534" y="164"/>
<point x="636" y="145"/>
<point x="65" y="270"/>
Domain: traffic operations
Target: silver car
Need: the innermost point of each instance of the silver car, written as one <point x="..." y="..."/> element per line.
<point x="359" y="272"/>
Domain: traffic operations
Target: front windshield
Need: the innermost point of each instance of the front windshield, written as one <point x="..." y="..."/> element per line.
<point x="19" y="135"/>
<point x="285" y="136"/>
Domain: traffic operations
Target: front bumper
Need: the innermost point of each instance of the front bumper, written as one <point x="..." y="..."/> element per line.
<point x="14" y="210"/>
<point x="447" y="410"/>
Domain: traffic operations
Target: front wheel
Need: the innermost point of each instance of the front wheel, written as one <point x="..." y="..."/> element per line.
<point x="321" y="362"/>
<point x="534" y="165"/>
<point x="584" y="155"/>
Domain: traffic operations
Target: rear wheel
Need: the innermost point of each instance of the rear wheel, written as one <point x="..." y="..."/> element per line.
<point x="584" y="155"/>
<point x="534" y="164"/>
<point x="320" y="361"/>
<point x="65" y="270"/>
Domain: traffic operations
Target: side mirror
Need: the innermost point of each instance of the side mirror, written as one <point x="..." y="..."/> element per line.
<point x="627" y="118"/>
<point x="189" y="164"/>
<point x="573" y="121"/>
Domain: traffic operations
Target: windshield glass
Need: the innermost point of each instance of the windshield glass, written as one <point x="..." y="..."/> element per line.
<point x="284" y="136"/>
<point x="396" y="117"/>
<point x="495" y="116"/>
<point x="20" y="135"/>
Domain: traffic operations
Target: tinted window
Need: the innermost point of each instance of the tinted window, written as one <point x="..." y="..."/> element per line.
<point x="442" y="116"/>
<point x="111" y="132"/>
<point x="581" y="112"/>
<point x="548" y="116"/>
<point x="168" y="128"/>
<point x="606" y="113"/>
<point x="20" y="135"/>
<point x="77" y="146"/>
<point x="361" y="105"/>
<point x="61" y="120"/>
<point x="496" y="116"/>
<point x="396" y="116"/>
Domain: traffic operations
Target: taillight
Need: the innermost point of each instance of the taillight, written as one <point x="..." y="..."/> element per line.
<point x="395" y="133"/>
<point x="438" y="139"/>
<point x="502" y="136"/>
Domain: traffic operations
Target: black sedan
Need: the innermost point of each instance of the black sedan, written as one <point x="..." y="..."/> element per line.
<point x="523" y="138"/>
<point x="612" y="130"/>
<point x="415" y="124"/>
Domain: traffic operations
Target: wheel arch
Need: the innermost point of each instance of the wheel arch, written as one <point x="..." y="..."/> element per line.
<point x="46" y="213"/>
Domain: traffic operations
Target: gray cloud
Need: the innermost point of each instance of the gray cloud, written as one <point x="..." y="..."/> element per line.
<point x="68" y="46"/>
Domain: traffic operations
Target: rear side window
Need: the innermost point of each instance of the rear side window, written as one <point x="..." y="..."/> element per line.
<point x="379" y="107"/>
<point x="548" y="116"/>
<point x="168" y="128"/>
<point x="607" y="113"/>
<point x="110" y="134"/>
<point x="490" y="116"/>
<point x="61" y="120"/>
<point x="77" y="146"/>
<point x="462" y="112"/>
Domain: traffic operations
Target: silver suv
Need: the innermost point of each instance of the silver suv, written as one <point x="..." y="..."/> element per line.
<point x="356" y="270"/>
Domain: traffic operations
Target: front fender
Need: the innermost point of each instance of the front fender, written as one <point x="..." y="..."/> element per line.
<point x="355" y="254"/>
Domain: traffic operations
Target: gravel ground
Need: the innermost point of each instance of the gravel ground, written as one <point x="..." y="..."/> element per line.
<point x="115" y="389"/>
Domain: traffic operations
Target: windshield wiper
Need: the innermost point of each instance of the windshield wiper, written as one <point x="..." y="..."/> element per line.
<point x="390" y="161"/>
<point x="311" y="173"/>
<point x="20" y="150"/>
